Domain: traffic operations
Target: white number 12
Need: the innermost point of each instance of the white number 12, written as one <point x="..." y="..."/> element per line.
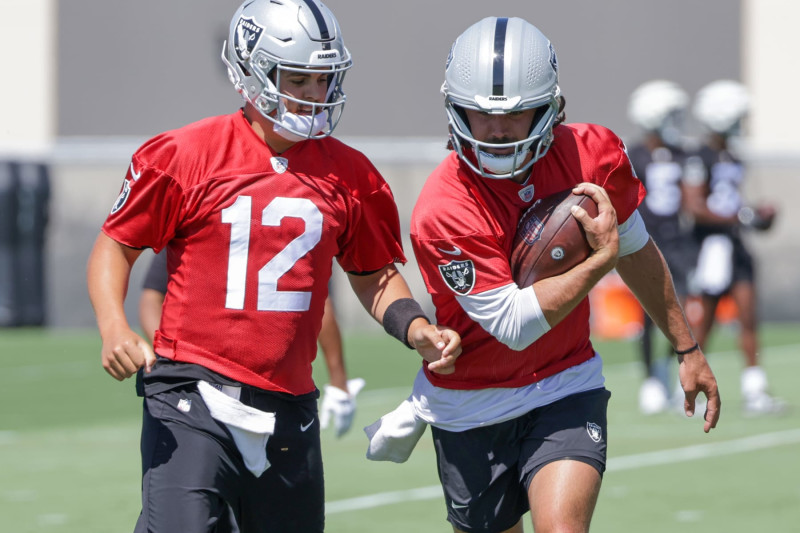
<point x="269" y="297"/>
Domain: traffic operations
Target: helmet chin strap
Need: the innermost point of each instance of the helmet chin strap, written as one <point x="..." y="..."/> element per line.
<point x="294" y="127"/>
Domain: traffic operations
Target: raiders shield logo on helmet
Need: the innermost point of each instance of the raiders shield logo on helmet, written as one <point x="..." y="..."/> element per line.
<point x="459" y="275"/>
<point x="248" y="33"/>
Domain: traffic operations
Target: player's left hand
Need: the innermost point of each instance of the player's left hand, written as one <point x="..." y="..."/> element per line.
<point x="340" y="406"/>
<point x="440" y="346"/>
<point x="696" y="376"/>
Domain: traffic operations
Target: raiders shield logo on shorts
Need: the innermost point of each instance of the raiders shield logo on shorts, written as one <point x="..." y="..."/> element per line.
<point x="595" y="432"/>
<point x="459" y="275"/>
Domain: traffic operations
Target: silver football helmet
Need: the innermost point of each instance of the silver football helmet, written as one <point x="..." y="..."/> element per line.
<point x="497" y="66"/>
<point x="659" y="106"/>
<point x="269" y="38"/>
<point x="721" y="105"/>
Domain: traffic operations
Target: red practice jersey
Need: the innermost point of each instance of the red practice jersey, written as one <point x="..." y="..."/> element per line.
<point x="462" y="230"/>
<point x="250" y="239"/>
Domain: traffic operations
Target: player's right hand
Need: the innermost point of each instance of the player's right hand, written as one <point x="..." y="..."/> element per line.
<point x="124" y="353"/>
<point x="601" y="231"/>
<point x="696" y="376"/>
<point x="440" y="346"/>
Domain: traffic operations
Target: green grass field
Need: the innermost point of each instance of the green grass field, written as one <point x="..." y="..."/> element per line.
<point x="69" y="459"/>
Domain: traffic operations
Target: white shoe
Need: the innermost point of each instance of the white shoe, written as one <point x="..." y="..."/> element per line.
<point x="653" y="397"/>
<point x="763" y="404"/>
<point x="756" y="400"/>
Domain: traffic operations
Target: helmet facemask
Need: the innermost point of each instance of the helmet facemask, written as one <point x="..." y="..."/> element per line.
<point x="503" y="166"/>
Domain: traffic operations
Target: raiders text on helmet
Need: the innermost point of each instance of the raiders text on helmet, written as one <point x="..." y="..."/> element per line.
<point x="269" y="38"/>
<point x="501" y="65"/>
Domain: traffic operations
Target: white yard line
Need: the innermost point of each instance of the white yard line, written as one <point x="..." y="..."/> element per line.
<point x="615" y="464"/>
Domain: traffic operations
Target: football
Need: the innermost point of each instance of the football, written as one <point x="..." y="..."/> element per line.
<point x="549" y="240"/>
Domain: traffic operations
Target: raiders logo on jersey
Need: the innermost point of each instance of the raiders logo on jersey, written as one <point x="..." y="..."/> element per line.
<point x="459" y="275"/>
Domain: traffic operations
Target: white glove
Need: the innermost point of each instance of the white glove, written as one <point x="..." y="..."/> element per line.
<point x="340" y="405"/>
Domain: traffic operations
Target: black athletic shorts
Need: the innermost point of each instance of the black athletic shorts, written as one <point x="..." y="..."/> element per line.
<point x="486" y="472"/>
<point x="194" y="478"/>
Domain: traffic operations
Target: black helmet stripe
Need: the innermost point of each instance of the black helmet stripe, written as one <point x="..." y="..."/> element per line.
<point x="499" y="59"/>
<point x="323" y="28"/>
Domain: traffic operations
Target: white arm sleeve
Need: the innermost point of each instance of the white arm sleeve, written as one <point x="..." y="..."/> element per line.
<point x="512" y="315"/>
<point x="633" y="235"/>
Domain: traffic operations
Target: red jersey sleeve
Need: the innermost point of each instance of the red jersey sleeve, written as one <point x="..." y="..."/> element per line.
<point x="373" y="239"/>
<point x="147" y="210"/>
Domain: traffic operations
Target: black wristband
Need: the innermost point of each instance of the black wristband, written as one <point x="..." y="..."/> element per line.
<point x="398" y="318"/>
<point x="688" y="350"/>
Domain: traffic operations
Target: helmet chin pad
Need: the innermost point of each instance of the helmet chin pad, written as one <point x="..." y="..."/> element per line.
<point x="504" y="166"/>
<point x="294" y="127"/>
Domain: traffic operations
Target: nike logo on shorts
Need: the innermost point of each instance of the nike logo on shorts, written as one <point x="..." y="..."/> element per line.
<point x="304" y="427"/>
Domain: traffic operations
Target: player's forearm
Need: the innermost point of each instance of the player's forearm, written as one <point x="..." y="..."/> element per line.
<point x="647" y="275"/>
<point x="377" y="291"/>
<point x="558" y="296"/>
<point x="108" y="271"/>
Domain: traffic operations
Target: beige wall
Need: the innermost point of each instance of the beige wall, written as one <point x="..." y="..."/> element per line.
<point x="770" y="50"/>
<point x="27" y="92"/>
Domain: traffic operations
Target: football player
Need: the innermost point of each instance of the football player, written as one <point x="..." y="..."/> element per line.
<point x="658" y="108"/>
<point x="715" y="178"/>
<point x="521" y="423"/>
<point x="252" y="207"/>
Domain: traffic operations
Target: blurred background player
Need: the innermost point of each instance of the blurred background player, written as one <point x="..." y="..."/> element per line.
<point x="338" y="403"/>
<point x="715" y="179"/>
<point x="658" y="108"/>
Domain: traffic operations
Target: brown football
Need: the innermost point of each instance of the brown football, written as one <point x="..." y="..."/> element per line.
<point x="549" y="240"/>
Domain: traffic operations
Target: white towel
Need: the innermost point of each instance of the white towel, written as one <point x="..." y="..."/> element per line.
<point x="249" y="427"/>
<point x="715" y="264"/>
<point x="394" y="436"/>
